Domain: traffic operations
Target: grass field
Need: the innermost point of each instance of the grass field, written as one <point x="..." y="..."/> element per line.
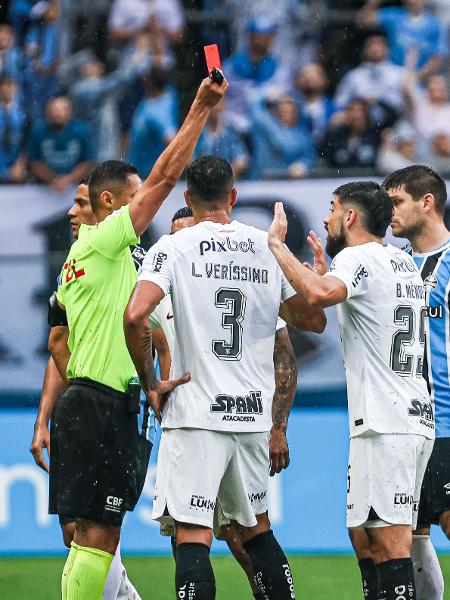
<point x="316" y="578"/>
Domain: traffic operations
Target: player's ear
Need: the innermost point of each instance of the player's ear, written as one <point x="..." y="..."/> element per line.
<point x="187" y="198"/>
<point x="428" y="202"/>
<point x="233" y="196"/>
<point x="350" y="217"/>
<point x="106" y="199"/>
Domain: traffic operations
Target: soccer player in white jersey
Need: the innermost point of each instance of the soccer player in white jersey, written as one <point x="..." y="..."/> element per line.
<point x="226" y="290"/>
<point x="380" y="297"/>
<point x="286" y="371"/>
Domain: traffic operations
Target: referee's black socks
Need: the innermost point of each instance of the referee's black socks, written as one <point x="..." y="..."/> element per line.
<point x="396" y="579"/>
<point x="194" y="577"/>
<point x="369" y="578"/>
<point x="271" y="567"/>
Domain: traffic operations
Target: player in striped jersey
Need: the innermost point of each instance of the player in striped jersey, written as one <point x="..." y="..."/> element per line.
<point x="419" y="196"/>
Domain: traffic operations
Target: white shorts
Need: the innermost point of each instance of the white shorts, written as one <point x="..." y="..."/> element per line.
<point x="198" y="468"/>
<point x="385" y="473"/>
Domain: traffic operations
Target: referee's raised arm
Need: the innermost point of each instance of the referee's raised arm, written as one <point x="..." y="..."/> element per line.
<point x="170" y="165"/>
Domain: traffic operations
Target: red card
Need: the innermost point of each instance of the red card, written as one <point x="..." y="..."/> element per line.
<point x="212" y="57"/>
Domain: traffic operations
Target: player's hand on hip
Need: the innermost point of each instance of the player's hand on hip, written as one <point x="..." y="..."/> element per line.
<point x="158" y="398"/>
<point x="278" y="229"/>
<point x="41" y="439"/>
<point x="320" y="261"/>
<point x="210" y="93"/>
<point x="278" y="451"/>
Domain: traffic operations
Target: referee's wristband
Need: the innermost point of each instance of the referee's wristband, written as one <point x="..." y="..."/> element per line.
<point x="56" y="316"/>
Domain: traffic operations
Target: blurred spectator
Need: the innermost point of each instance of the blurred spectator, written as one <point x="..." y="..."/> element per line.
<point x="430" y="111"/>
<point x="297" y="36"/>
<point x="60" y="151"/>
<point x="315" y="106"/>
<point x="439" y="158"/>
<point x="221" y="140"/>
<point x="376" y="80"/>
<point x="42" y="59"/>
<point x="354" y="141"/>
<point x="412" y="31"/>
<point x="398" y="149"/>
<point x="252" y="72"/>
<point x="12" y="122"/>
<point x="91" y="94"/>
<point x="216" y="28"/>
<point x="19" y="14"/>
<point x="154" y="123"/>
<point x="161" y="18"/>
<point x="10" y="56"/>
<point x="282" y="147"/>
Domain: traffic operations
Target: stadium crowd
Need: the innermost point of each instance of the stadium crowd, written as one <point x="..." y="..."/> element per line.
<point x="316" y="87"/>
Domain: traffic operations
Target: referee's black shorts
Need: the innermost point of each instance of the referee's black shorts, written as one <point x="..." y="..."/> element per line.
<point x="98" y="459"/>
<point x="435" y="493"/>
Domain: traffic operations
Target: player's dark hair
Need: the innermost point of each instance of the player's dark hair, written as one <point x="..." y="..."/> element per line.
<point x="110" y="175"/>
<point x="182" y="213"/>
<point x="209" y="179"/>
<point x="372" y="200"/>
<point x="84" y="180"/>
<point x="419" y="180"/>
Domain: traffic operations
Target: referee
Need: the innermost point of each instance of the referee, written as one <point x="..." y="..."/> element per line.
<point x="94" y="471"/>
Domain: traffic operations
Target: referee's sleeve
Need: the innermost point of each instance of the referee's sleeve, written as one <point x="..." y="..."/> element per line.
<point x="115" y="233"/>
<point x="157" y="265"/>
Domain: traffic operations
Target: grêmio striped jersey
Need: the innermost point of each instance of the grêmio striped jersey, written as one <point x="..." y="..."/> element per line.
<point x="434" y="267"/>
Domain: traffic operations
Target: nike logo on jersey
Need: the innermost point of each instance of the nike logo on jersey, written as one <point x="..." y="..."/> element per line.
<point x="169" y="316"/>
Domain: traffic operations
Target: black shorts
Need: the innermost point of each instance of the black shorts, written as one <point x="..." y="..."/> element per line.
<point x="435" y="493"/>
<point x="98" y="458"/>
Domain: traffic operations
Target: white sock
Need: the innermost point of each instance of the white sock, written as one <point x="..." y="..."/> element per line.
<point x="427" y="570"/>
<point x="118" y="586"/>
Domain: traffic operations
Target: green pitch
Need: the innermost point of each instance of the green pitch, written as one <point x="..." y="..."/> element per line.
<point x="317" y="577"/>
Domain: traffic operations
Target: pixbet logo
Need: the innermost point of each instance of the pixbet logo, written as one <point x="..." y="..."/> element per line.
<point x="158" y="261"/>
<point x="228" y="245"/>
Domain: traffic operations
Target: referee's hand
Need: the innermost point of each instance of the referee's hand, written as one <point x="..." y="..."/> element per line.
<point x="278" y="451"/>
<point x="211" y="93"/>
<point x="41" y="439"/>
<point x="158" y="398"/>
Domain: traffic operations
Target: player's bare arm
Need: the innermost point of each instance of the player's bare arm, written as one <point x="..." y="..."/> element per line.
<point x="58" y="348"/>
<point x="161" y="346"/>
<point x="138" y="335"/>
<point x="52" y="387"/>
<point x="170" y="165"/>
<point x="317" y="290"/>
<point x="286" y="370"/>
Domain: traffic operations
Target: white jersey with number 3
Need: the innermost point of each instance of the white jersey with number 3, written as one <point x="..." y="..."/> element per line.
<point x="383" y="335"/>
<point x="226" y="290"/>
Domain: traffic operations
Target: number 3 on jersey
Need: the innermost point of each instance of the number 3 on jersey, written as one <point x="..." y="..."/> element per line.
<point x="234" y="301"/>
